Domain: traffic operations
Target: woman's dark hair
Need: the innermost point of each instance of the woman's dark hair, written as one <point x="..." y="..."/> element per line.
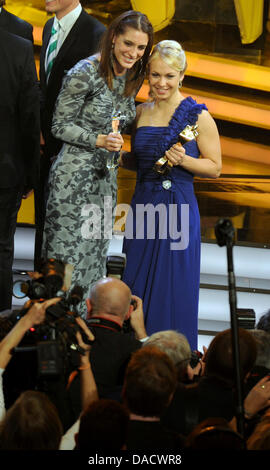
<point x="214" y="433"/>
<point x="135" y="76"/>
<point x="32" y="423"/>
<point x="219" y="360"/>
<point x="260" y="436"/>
<point x="264" y="322"/>
<point x="103" y="426"/>
<point x="150" y="382"/>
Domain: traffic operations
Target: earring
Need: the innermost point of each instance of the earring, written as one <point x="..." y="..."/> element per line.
<point x="112" y="56"/>
<point x="180" y="84"/>
<point x="140" y="66"/>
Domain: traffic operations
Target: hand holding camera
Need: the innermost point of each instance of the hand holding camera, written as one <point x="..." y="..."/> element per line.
<point x="137" y="317"/>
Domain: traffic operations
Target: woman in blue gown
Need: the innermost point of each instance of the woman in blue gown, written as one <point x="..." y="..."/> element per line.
<point x="162" y="237"/>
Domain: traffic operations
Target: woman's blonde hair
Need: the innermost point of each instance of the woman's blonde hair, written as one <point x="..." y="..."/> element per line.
<point x="172" y="53"/>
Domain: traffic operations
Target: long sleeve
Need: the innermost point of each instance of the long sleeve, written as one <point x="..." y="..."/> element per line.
<point x="68" y="440"/>
<point x="70" y="123"/>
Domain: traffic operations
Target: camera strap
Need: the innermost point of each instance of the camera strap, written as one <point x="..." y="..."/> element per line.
<point x="104" y="323"/>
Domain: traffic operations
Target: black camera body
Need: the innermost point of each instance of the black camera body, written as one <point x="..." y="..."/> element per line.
<point x="55" y="339"/>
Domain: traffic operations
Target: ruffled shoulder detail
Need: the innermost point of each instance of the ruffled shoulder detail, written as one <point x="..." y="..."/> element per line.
<point x="185" y="114"/>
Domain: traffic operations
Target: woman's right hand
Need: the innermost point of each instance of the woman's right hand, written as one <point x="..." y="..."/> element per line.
<point x="111" y="142"/>
<point x="176" y="154"/>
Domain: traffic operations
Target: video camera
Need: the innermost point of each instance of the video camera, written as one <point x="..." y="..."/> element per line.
<point x="55" y="339"/>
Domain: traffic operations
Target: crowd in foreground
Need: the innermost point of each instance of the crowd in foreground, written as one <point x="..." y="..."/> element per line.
<point x="132" y="392"/>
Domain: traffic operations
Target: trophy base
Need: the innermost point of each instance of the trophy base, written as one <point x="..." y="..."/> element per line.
<point x="162" y="166"/>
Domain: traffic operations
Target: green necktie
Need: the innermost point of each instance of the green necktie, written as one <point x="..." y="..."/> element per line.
<point x="52" y="49"/>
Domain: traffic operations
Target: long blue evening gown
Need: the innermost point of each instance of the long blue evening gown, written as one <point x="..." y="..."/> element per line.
<point x="166" y="279"/>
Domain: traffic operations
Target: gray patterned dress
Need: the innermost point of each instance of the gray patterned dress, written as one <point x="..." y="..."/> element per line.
<point x="82" y="191"/>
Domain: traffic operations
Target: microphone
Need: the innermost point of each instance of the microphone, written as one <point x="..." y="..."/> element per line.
<point x="224" y="231"/>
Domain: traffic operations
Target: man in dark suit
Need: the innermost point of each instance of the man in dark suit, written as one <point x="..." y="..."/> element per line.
<point x="79" y="35"/>
<point x="14" y="24"/>
<point x="19" y="144"/>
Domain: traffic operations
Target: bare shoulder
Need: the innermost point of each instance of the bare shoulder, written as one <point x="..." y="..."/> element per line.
<point x="142" y="108"/>
<point x="204" y="117"/>
<point x="205" y="121"/>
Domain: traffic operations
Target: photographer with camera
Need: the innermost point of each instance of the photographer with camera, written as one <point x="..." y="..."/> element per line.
<point x="109" y="306"/>
<point x="34" y="316"/>
<point x="189" y="364"/>
<point x="51" y="351"/>
<point x="33" y="422"/>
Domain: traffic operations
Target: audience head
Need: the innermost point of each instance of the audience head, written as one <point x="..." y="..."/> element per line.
<point x="214" y="433"/>
<point x="150" y="382"/>
<point x="32" y="423"/>
<point x="126" y="23"/>
<point x="176" y="346"/>
<point x="262" y="339"/>
<point x="103" y="426"/>
<point x="219" y="361"/>
<point x="264" y="322"/>
<point x="260" y="437"/>
<point x="109" y="296"/>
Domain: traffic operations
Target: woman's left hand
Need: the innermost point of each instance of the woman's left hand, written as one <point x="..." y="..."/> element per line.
<point x="176" y="154"/>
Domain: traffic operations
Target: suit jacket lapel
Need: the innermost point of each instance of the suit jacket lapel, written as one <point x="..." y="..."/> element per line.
<point x="45" y="42"/>
<point x="47" y="35"/>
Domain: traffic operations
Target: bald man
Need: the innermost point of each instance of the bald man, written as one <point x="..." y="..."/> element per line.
<point x="110" y="299"/>
<point x="108" y="306"/>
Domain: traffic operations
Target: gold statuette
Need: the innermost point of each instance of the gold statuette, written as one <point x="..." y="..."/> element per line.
<point x="163" y="166"/>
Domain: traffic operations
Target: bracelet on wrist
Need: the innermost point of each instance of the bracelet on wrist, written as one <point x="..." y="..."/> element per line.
<point x="87" y="366"/>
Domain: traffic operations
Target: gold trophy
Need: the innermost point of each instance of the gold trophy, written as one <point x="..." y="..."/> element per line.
<point x="163" y="166"/>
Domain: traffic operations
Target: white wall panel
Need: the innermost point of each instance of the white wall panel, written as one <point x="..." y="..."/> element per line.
<point x="251" y="267"/>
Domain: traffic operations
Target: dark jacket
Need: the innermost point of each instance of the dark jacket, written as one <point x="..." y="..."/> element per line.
<point x="191" y="404"/>
<point x="19" y="113"/>
<point x="147" y="435"/>
<point x="15" y="25"/>
<point x="109" y="357"/>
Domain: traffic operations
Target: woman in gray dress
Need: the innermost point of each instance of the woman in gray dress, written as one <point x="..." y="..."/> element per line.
<point x="82" y="189"/>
